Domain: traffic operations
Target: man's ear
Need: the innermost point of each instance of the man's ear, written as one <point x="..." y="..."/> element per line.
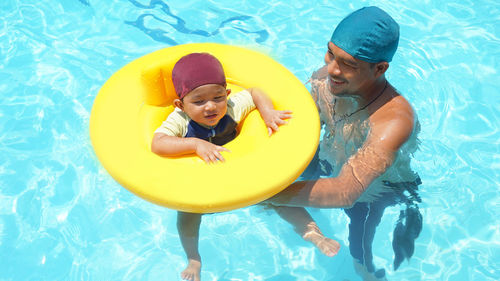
<point x="381" y="68"/>
<point x="179" y="104"/>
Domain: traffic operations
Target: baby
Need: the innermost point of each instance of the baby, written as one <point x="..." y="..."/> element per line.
<point x="205" y="119"/>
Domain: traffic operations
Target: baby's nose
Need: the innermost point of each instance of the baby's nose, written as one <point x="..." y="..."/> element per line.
<point x="210" y="105"/>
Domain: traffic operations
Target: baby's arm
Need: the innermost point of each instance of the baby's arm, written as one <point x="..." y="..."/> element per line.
<point x="165" y="145"/>
<point x="272" y="117"/>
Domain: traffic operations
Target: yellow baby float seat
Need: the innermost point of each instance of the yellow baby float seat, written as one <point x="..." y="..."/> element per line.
<point x="138" y="98"/>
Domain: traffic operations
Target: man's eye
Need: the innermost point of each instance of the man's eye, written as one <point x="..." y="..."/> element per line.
<point x="350" y="65"/>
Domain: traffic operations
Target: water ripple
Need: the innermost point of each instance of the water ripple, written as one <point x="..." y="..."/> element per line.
<point x="179" y="24"/>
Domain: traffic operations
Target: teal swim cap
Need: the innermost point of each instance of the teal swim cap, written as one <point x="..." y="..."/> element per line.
<point x="368" y="34"/>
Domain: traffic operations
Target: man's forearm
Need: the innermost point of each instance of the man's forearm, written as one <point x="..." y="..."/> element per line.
<point x="321" y="193"/>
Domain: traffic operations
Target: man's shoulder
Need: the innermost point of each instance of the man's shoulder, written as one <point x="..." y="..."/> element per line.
<point x="394" y="121"/>
<point x="396" y="108"/>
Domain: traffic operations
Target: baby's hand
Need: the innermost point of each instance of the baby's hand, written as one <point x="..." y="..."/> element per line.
<point x="275" y="118"/>
<point x="209" y="152"/>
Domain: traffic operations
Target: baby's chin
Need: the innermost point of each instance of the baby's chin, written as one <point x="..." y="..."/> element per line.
<point x="210" y="122"/>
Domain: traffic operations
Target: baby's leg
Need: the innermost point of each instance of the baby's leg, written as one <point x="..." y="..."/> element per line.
<point x="306" y="227"/>
<point x="188" y="226"/>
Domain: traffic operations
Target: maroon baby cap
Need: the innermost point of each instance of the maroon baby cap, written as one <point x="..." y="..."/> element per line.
<point x="194" y="70"/>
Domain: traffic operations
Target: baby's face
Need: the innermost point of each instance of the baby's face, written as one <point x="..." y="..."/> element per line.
<point x="206" y="104"/>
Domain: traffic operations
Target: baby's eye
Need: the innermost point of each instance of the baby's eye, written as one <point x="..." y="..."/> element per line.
<point x="219" y="98"/>
<point x="199" y="102"/>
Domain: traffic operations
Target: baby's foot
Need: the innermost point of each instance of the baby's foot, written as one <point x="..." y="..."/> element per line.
<point x="192" y="271"/>
<point x="326" y="245"/>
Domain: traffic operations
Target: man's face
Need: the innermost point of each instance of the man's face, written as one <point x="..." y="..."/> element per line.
<point x="347" y="76"/>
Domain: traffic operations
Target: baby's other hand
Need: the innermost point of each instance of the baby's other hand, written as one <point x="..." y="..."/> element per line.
<point x="210" y="152"/>
<point x="275" y="118"/>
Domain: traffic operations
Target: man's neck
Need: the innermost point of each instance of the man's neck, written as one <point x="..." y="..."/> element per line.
<point x="372" y="91"/>
<point x="350" y="105"/>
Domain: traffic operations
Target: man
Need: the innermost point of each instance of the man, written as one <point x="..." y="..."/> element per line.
<point x="370" y="134"/>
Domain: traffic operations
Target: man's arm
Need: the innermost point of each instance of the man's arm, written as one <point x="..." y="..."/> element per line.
<point x="391" y="126"/>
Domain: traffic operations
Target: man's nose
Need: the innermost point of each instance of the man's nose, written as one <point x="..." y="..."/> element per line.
<point x="333" y="68"/>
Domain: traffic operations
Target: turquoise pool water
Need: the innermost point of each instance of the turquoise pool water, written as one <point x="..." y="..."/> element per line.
<point x="63" y="218"/>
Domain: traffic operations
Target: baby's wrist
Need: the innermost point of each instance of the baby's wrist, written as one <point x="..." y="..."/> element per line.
<point x="194" y="143"/>
<point x="265" y="111"/>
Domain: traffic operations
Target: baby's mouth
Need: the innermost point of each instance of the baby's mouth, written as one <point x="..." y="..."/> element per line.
<point x="211" y="116"/>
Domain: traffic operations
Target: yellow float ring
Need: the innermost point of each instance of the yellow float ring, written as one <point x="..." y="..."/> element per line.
<point x="138" y="97"/>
